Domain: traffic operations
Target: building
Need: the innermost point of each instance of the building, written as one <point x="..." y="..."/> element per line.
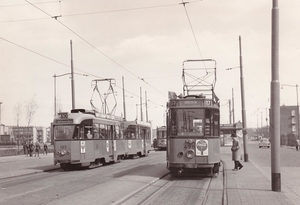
<point x="227" y="129"/>
<point x="289" y="127"/>
<point x="21" y="134"/>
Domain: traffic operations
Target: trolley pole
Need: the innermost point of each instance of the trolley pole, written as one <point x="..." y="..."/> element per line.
<point x="243" y="105"/>
<point x="275" y="102"/>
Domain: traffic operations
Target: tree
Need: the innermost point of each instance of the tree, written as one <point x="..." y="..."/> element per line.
<point x="31" y="108"/>
<point x="18" y="112"/>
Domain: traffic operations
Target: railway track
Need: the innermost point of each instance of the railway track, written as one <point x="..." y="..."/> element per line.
<point x="180" y="190"/>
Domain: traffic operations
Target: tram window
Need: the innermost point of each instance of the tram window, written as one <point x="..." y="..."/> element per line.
<point x="131" y="132"/>
<point x="63" y="132"/>
<point x="109" y="136"/>
<point x="117" y="128"/>
<point x="121" y="133"/>
<point x="190" y="121"/>
<point x="103" y="133"/>
<point x="96" y="131"/>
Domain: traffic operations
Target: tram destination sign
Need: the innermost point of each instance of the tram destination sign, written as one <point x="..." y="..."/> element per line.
<point x="64" y="121"/>
<point x="191" y="103"/>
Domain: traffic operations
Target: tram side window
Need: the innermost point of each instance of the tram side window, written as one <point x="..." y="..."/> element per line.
<point x="122" y="131"/>
<point x="109" y="131"/>
<point x="131" y="132"/>
<point x="96" y="131"/>
<point x="216" y="123"/>
<point x="172" y="120"/>
<point x="117" y="132"/>
<point x="103" y="132"/>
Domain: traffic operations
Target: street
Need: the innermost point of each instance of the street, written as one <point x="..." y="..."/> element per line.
<point x="289" y="162"/>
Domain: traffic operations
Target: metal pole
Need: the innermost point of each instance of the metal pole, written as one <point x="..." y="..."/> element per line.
<point x="0" y="113"/>
<point x="233" y="107"/>
<point x="124" y="106"/>
<point x="141" y="104"/>
<point x="229" y="111"/>
<point x="54" y="94"/>
<point x="146" y="106"/>
<point x="72" y="78"/>
<point x="297" y="111"/>
<point x="243" y="105"/>
<point x="275" y="102"/>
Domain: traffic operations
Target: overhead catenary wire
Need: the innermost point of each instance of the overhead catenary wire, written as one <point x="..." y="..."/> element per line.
<point x="142" y="79"/>
<point x="92" y="13"/>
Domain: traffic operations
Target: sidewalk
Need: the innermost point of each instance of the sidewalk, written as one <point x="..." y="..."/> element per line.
<point x="19" y="165"/>
<point x="248" y="186"/>
<point x="251" y="186"/>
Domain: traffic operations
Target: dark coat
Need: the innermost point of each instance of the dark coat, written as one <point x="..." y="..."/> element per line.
<point x="236" y="149"/>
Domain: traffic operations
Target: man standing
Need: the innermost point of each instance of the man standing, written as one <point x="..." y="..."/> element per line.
<point x="236" y="153"/>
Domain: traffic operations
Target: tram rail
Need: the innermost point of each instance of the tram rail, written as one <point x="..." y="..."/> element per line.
<point x="170" y="189"/>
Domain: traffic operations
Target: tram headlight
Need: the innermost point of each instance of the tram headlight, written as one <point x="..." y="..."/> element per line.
<point x="180" y="154"/>
<point x="190" y="154"/>
<point x="63" y="152"/>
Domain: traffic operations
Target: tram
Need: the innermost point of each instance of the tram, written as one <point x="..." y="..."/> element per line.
<point x="160" y="142"/>
<point x="84" y="138"/>
<point x="193" y="122"/>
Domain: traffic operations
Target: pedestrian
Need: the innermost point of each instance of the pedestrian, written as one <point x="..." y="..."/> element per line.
<point x="31" y="148"/>
<point x="37" y="149"/>
<point x="28" y="149"/>
<point x="25" y="147"/>
<point x="236" y="153"/>
<point x="45" y="148"/>
<point x="297" y="144"/>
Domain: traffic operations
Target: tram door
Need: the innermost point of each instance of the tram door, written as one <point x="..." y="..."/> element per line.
<point x="144" y="142"/>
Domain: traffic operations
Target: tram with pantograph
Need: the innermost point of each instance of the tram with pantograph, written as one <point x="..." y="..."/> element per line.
<point x="160" y="143"/>
<point x="89" y="138"/>
<point x="85" y="138"/>
<point x="193" y="122"/>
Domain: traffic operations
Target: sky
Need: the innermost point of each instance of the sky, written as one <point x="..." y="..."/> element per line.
<point x="145" y="42"/>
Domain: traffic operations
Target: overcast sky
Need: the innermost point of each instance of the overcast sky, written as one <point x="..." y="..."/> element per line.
<point x="145" y="41"/>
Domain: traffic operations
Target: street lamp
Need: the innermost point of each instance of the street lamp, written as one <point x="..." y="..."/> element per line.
<point x="73" y="97"/>
<point x="296" y="86"/>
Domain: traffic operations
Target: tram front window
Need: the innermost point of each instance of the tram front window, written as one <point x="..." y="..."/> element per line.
<point x="190" y="122"/>
<point x="63" y="132"/>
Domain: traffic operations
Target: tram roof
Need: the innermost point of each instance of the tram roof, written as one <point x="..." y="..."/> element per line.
<point x="76" y="116"/>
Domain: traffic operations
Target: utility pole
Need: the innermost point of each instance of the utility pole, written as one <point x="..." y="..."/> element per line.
<point x="243" y="104"/>
<point x="229" y="111"/>
<point x="146" y="106"/>
<point x="0" y="112"/>
<point x="275" y="101"/>
<point x="72" y="78"/>
<point x="124" y="106"/>
<point x="141" y="103"/>
<point x="233" y="118"/>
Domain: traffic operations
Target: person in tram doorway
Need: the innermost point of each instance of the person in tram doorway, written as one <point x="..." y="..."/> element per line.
<point x="297" y="144"/>
<point x="236" y="153"/>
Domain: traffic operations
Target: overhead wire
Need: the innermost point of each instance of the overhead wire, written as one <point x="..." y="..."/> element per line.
<point x="142" y="79"/>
